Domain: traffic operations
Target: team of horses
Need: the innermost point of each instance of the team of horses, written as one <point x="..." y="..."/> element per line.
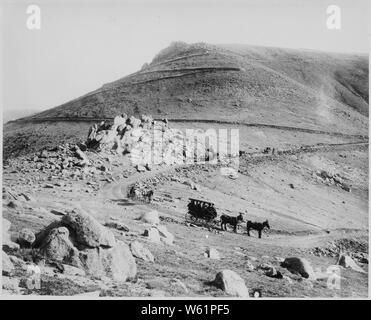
<point x="234" y="221"/>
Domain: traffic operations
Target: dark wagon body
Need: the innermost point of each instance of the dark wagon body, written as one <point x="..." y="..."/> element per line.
<point x="201" y="210"/>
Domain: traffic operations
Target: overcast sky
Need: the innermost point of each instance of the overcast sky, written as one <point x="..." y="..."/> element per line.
<point x="83" y="44"/>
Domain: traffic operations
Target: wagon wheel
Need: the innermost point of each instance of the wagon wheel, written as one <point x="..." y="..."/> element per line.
<point x="209" y="223"/>
<point x="216" y="223"/>
<point x="212" y="223"/>
<point x="190" y="218"/>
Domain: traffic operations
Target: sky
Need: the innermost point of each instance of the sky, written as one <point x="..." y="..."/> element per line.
<point x="83" y="44"/>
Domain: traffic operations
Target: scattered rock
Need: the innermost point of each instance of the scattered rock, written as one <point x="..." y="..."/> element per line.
<point x="73" y="271"/>
<point x="252" y="258"/>
<point x="273" y="273"/>
<point x="10" y="286"/>
<point x="8" y="244"/>
<point x="140" y="168"/>
<point x="157" y="293"/>
<point x="192" y="185"/>
<point x="117" y="263"/>
<point x="58" y="212"/>
<point x="26" y="238"/>
<point x="14" y="204"/>
<point x="152" y="234"/>
<point x="249" y="266"/>
<point x="44" y="154"/>
<point x="81" y="155"/>
<point x="347" y="262"/>
<point x="88" y="295"/>
<point x="8" y="194"/>
<point x="7" y="265"/>
<point x="140" y="252"/>
<point x="27" y="197"/>
<point x="299" y="266"/>
<point x="18" y="263"/>
<point x="165" y="236"/>
<point x="173" y="285"/>
<point x="264" y="266"/>
<point x="230" y="282"/>
<point x="117" y="225"/>
<point x="212" y="254"/>
<point x="179" y="284"/>
<point x="151" y="217"/>
<point x="346" y="187"/>
<point x="288" y="279"/>
<point x="333" y="179"/>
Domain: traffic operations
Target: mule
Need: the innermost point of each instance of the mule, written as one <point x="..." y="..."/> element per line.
<point x="233" y="221"/>
<point x="258" y="226"/>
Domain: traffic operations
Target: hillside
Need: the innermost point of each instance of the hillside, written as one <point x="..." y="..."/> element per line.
<point x="237" y="82"/>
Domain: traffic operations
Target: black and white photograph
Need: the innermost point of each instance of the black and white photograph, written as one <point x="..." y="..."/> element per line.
<point x="183" y="149"/>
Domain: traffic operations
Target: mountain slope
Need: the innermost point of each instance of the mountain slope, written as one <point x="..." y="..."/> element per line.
<point x="237" y="82"/>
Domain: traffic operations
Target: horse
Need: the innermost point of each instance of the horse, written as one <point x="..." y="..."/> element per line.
<point x="148" y="195"/>
<point x="225" y="219"/>
<point x="258" y="226"/>
<point x="139" y="193"/>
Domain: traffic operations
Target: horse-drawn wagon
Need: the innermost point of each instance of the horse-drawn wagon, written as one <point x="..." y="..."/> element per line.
<point x="201" y="211"/>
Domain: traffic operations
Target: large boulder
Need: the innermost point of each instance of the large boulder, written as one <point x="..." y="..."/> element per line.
<point x="165" y="236"/>
<point x="347" y="262"/>
<point x="140" y="252"/>
<point x="152" y="234"/>
<point x="81" y="241"/>
<point x="151" y="217"/>
<point x="299" y="266"/>
<point x="117" y="263"/>
<point x="8" y="244"/>
<point x="230" y="282"/>
<point x="58" y="246"/>
<point x="87" y="230"/>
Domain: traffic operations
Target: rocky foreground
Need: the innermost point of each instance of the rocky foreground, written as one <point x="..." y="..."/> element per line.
<point x="71" y="227"/>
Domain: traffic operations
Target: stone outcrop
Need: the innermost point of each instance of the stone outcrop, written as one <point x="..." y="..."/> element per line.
<point x="146" y="141"/>
<point x="81" y="241"/>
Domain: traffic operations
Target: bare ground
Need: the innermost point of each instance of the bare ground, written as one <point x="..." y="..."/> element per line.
<point x="304" y="212"/>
